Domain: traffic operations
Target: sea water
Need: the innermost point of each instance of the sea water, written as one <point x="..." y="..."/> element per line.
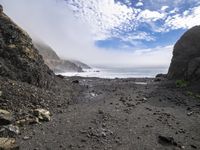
<point x="112" y="73"/>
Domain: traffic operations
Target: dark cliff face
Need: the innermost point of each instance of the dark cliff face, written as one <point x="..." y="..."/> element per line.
<point x="19" y="59"/>
<point x="185" y="63"/>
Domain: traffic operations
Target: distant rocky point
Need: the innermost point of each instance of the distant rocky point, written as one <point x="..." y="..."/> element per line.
<point x="57" y="64"/>
<point x="185" y="64"/>
<point x="80" y="64"/>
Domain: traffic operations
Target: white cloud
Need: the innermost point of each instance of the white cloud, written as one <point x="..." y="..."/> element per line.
<point x="139" y="4"/>
<point x="102" y="16"/>
<point x="185" y="20"/>
<point x="147" y="15"/>
<point x="72" y="39"/>
<point x="163" y="8"/>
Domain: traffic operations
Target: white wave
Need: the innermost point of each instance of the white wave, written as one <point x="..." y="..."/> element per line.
<point x="112" y="73"/>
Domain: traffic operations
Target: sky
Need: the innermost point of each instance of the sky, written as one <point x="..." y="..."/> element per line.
<point x="127" y="33"/>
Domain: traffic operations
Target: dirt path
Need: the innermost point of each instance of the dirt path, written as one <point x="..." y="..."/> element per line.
<point x="120" y="115"/>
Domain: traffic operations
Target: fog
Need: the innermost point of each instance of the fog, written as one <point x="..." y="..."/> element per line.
<point x="52" y="22"/>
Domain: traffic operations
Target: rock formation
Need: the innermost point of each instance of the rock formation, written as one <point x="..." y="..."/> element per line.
<point x="185" y="63"/>
<point x="55" y="63"/>
<point x="19" y="59"/>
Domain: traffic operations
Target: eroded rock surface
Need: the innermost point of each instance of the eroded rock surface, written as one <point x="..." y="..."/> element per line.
<point x="186" y="57"/>
<point x="19" y="59"/>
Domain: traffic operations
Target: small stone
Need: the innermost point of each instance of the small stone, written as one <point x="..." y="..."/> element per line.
<point x="100" y="111"/>
<point x="103" y="134"/>
<point x="75" y="81"/>
<point x="1" y="93"/>
<point x="166" y="140"/>
<point x="42" y="114"/>
<point x="190" y="113"/>
<point x="144" y="99"/>
<point x="83" y="140"/>
<point x="5" y="117"/>
<point x="26" y="138"/>
<point x="8" y="144"/>
<point x="27" y="121"/>
<point x="193" y="146"/>
<point x="13" y="129"/>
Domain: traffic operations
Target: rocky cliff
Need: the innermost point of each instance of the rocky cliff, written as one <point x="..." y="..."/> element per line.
<point x="185" y="63"/>
<point x="80" y="64"/>
<point x="53" y="60"/>
<point x="19" y="59"/>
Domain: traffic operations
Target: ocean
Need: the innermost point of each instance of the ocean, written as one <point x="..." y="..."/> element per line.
<point x="112" y="73"/>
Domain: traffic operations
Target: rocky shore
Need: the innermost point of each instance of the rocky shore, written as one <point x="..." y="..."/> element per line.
<point x="119" y="114"/>
<point x="42" y="111"/>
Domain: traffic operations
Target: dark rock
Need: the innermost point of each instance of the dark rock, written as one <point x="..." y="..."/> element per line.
<point x="1" y="9"/>
<point x="9" y="130"/>
<point x="5" y="117"/>
<point x="157" y="79"/>
<point x="166" y="140"/>
<point x="60" y="76"/>
<point x="193" y="146"/>
<point x="161" y="75"/>
<point x="185" y="63"/>
<point x="19" y="59"/>
<point x="75" y="81"/>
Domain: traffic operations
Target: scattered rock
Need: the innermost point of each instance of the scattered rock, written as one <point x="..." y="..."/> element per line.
<point x="27" y="121"/>
<point x="157" y="79"/>
<point x="100" y="111"/>
<point x="167" y="140"/>
<point x="5" y="117"/>
<point x="1" y="93"/>
<point x="161" y="75"/>
<point x="190" y="113"/>
<point x="75" y="81"/>
<point x="60" y="76"/>
<point x="8" y="144"/>
<point x="26" y="138"/>
<point x="11" y="130"/>
<point x="193" y="146"/>
<point x="42" y="114"/>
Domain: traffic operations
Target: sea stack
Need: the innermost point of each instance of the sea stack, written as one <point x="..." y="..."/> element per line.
<point x="185" y="64"/>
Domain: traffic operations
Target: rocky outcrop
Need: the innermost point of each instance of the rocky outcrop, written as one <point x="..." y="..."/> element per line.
<point x="19" y="59"/>
<point x="80" y="64"/>
<point x="185" y="63"/>
<point x="53" y="60"/>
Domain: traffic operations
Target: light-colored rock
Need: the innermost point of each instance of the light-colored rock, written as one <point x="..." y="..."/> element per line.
<point x="8" y="144"/>
<point x="1" y="93"/>
<point x="13" y="129"/>
<point x="5" y="117"/>
<point x="27" y="121"/>
<point x="42" y="114"/>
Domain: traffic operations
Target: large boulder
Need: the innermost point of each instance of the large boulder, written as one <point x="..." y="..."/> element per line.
<point x="185" y="63"/>
<point x="19" y="59"/>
